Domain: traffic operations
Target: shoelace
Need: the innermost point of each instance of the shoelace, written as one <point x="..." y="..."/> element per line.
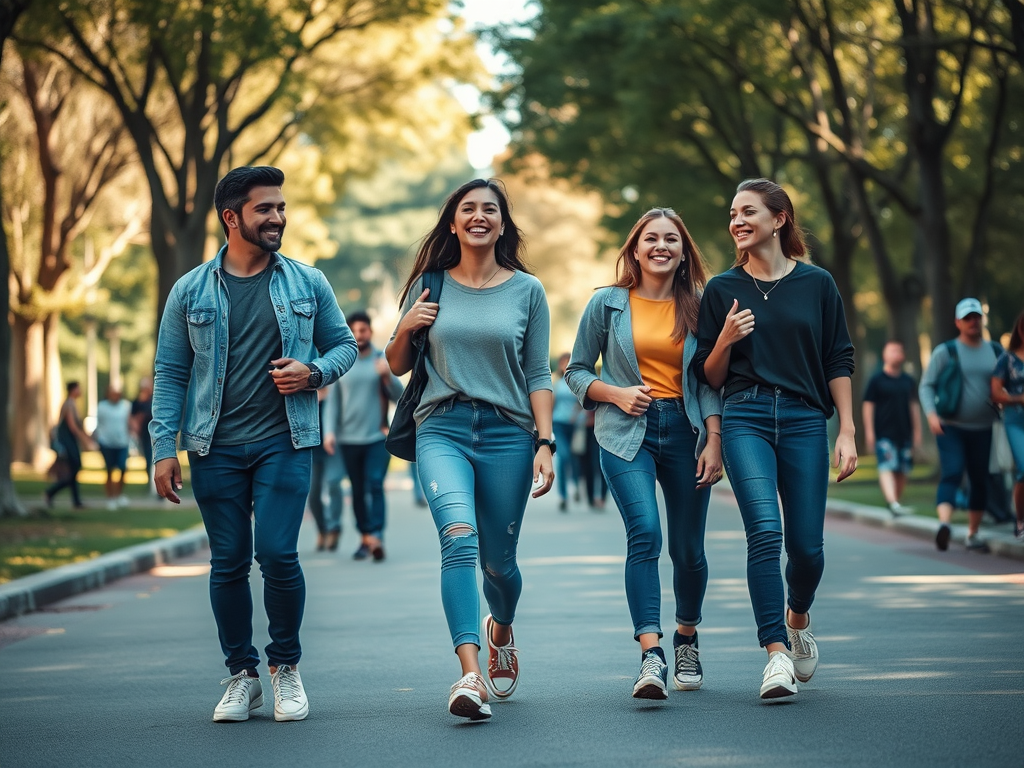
<point x="287" y="684"/>
<point x="686" y="660"/>
<point x="799" y="640"/>
<point x="651" y="665"/>
<point x="777" y="665"/>
<point x="238" y="688"/>
<point x="506" y="655"/>
<point x="469" y="680"/>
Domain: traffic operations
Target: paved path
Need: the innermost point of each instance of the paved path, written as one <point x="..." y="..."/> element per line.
<point x="922" y="663"/>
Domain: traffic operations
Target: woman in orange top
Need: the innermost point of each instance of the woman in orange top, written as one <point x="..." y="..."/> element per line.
<point x="654" y="423"/>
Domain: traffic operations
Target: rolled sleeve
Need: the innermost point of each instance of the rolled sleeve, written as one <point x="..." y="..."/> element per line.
<point x="590" y="340"/>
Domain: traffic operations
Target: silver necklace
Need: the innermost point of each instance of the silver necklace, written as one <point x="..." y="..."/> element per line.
<point x="765" y="293"/>
<point x="485" y="282"/>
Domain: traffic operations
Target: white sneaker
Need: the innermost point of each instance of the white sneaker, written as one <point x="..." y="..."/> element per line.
<point x="122" y="500"/>
<point x="112" y="505"/>
<point x="898" y="509"/>
<point x="805" y="650"/>
<point x="779" y="678"/>
<point x="290" y="701"/>
<point x="467" y="698"/>
<point x="244" y="694"/>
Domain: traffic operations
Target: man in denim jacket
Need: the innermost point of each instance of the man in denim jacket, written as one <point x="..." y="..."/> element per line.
<point x="245" y="342"/>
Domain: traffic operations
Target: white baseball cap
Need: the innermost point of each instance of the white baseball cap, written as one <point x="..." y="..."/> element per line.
<point x="966" y="307"/>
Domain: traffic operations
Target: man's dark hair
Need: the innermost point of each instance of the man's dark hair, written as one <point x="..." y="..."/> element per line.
<point x="232" y="191"/>
<point x="359" y="316"/>
<point x="71" y="386"/>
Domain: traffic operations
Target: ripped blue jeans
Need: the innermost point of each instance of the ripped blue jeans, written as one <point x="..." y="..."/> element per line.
<point x="476" y="468"/>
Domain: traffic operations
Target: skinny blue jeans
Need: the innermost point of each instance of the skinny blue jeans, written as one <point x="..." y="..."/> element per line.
<point x="775" y="445"/>
<point x="267" y="482"/>
<point x="366" y="466"/>
<point x="666" y="456"/>
<point x="476" y="468"/>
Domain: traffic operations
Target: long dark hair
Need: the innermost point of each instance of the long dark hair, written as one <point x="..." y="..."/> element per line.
<point x="1017" y="334"/>
<point x="441" y="249"/>
<point x="776" y="200"/>
<point x="687" y="283"/>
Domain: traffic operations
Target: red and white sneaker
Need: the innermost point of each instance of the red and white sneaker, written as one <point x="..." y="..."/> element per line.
<point x="469" y="698"/>
<point x="502" y="674"/>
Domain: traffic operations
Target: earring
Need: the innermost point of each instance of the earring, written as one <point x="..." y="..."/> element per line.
<point x="775" y="233"/>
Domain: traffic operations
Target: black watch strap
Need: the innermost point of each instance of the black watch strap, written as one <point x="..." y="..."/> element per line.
<point x="316" y="377"/>
<point x="537" y="443"/>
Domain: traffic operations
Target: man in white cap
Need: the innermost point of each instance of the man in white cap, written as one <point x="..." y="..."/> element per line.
<point x="960" y="415"/>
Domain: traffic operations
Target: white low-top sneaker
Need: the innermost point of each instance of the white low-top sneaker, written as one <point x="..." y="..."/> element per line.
<point x="243" y="695"/>
<point x="779" y="679"/>
<point x="805" y="651"/>
<point x="468" y="698"/>
<point x="290" y="701"/>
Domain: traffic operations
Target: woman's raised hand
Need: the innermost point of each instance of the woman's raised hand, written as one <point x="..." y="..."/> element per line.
<point x="421" y="314"/>
<point x="738" y="325"/>
<point x="633" y="401"/>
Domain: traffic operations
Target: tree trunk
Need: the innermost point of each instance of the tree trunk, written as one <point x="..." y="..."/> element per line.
<point x="31" y="425"/>
<point x="178" y="248"/>
<point x="933" y="230"/>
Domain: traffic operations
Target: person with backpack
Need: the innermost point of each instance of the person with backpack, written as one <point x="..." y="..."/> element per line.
<point x="955" y="393"/>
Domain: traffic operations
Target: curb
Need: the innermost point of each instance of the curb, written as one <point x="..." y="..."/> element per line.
<point x="30" y="593"/>
<point x="1000" y="543"/>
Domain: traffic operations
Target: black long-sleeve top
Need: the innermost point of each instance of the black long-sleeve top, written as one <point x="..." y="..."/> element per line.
<point x="800" y="341"/>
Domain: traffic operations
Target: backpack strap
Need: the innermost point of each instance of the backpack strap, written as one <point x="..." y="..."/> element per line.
<point x="434" y="281"/>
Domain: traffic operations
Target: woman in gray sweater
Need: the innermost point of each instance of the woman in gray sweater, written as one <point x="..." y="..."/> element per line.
<point x="484" y="431"/>
<point x="655" y="424"/>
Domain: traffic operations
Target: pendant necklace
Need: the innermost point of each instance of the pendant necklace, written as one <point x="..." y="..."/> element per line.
<point x="765" y="293"/>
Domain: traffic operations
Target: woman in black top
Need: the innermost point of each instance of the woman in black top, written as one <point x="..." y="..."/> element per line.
<point x="781" y="382"/>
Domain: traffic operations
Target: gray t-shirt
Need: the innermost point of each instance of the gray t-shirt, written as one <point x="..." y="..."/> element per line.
<point x="976" y="366"/>
<point x="251" y="408"/>
<point x="488" y="344"/>
<point x="362" y="400"/>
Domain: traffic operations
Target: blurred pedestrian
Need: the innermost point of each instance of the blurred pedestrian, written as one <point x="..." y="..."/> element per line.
<point x="1008" y="391"/>
<point x="484" y="430"/>
<point x="67" y="437"/>
<point x="366" y="391"/>
<point x="782" y="382"/>
<point x="655" y="425"/>
<point x="956" y="395"/>
<point x="142" y="414"/>
<point x="113" y="436"/>
<point x="328" y="471"/>
<point x="248" y="417"/>
<point x="564" y="416"/>
<point x="892" y="424"/>
<point x="593" y="478"/>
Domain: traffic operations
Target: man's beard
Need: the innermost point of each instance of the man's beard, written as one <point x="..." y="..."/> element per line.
<point x="254" y="236"/>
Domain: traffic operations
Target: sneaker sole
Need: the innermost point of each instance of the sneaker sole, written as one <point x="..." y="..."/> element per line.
<point x="779" y="691"/>
<point x="942" y="538"/>
<point x="804" y="679"/>
<point x="654" y="691"/>
<point x="466" y="706"/>
<point x="285" y="717"/>
<point x="687" y="686"/>
<point x="240" y="717"/>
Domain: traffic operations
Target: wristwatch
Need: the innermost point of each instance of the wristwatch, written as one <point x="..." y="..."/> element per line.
<point x="538" y="442"/>
<point x="316" y="377"/>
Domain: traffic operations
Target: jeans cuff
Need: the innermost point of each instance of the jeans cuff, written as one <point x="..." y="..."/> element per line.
<point x="467" y="637"/>
<point x="688" y="622"/>
<point x="648" y="629"/>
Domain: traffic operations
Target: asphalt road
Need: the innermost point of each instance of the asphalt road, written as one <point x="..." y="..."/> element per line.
<point x="922" y="663"/>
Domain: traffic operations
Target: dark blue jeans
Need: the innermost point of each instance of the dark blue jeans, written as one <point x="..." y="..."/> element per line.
<point x="234" y="485"/>
<point x="567" y="464"/>
<point x="964" y="450"/>
<point x="666" y="456"/>
<point x="477" y="469"/>
<point x="366" y="466"/>
<point x="328" y="472"/>
<point x="775" y="445"/>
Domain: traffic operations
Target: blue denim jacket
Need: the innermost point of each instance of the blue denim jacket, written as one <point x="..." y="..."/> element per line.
<point x="606" y="329"/>
<point x="192" y="351"/>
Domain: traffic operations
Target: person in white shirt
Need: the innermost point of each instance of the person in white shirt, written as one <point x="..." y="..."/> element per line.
<point x="112" y="416"/>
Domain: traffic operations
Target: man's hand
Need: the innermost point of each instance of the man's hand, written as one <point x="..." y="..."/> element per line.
<point x="935" y="423"/>
<point x="167" y="477"/>
<point x="290" y="376"/>
<point x="330" y="444"/>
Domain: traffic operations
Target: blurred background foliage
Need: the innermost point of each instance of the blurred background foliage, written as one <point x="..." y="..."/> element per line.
<point x="895" y="124"/>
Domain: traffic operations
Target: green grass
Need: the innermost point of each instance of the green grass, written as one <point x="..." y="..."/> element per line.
<point x="50" y="538"/>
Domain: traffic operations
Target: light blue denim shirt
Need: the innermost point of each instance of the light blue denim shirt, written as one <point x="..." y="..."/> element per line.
<point x="192" y="351"/>
<point x="606" y="329"/>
